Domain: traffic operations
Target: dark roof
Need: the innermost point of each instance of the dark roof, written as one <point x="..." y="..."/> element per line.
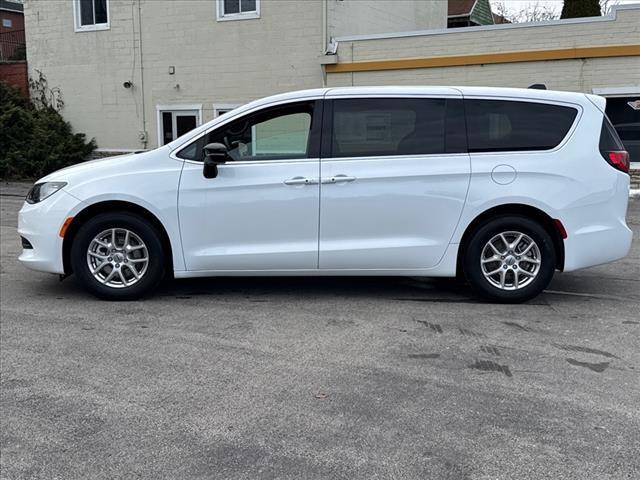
<point x="460" y="7"/>
<point x="11" y="6"/>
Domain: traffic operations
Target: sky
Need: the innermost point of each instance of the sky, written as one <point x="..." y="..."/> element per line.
<point x="519" y="5"/>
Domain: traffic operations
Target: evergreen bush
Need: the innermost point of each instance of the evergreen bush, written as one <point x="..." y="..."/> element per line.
<point x="36" y="140"/>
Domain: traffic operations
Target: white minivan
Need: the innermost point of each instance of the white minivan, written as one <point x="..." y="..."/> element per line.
<point x="501" y="186"/>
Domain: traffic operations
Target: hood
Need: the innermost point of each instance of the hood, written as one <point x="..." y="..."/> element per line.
<point x="97" y="167"/>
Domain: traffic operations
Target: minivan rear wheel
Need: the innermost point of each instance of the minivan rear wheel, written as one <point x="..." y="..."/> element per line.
<point x="118" y="256"/>
<point x="509" y="259"/>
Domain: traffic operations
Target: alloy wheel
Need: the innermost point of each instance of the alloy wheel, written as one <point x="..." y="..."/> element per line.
<point x="510" y="260"/>
<point x="117" y="258"/>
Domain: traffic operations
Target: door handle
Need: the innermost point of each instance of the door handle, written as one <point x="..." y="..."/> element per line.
<point x="339" y="179"/>
<point x="301" y="181"/>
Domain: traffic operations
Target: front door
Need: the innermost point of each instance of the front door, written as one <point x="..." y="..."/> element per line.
<point x="394" y="181"/>
<point x="261" y="212"/>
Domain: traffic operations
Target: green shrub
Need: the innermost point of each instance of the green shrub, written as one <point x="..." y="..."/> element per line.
<point x="35" y="141"/>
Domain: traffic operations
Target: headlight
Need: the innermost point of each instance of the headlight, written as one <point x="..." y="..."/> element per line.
<point x="40" y="191"/>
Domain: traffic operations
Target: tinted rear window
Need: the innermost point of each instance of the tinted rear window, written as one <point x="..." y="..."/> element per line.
<point x="396" y="126"/>
<point x="501" y="125"/>
<point x="609" y="139"/>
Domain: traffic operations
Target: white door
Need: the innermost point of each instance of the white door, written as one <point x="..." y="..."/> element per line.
<point x="261" y="211"/>
<point x="394" y="179"/>
<point x="175" y="123"/>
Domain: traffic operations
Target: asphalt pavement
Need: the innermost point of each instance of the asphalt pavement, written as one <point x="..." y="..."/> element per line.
<point x="305" y="378"/>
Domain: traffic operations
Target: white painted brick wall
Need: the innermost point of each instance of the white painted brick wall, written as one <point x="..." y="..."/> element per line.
<point x="381" y="16"/>
<point x="215" y="62"/>
<point x="576" y="75"/>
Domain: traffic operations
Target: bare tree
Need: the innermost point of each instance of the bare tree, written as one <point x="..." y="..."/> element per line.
<point x="532" y="12"/>
<point x="607" y="5"/>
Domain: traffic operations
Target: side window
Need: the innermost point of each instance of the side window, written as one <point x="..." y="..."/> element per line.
<point x="91" y="14"/>
<point x="237" y="9"/>
<point x="502" y="125"/>
<point x="390" y="126"/>
<point x="276" y="133"/>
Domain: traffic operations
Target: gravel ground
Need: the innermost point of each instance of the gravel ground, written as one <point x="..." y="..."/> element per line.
<point x="318" y="378"/>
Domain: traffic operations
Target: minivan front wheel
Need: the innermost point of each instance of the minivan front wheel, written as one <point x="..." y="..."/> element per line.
<point x="118" y="256"/>
<point x="510" y="259"/>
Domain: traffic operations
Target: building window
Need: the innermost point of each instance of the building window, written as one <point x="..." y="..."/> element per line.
<point x="237" y="9"/>
<point x="91" y="15"/>
<point x="7" y="23"/>
<point x="222" y="108"/>
<point x="176" y="120"/>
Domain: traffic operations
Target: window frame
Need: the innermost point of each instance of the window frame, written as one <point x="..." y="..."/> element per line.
<point x="327" y="128"/>
<point x="313" y="153"/>
<point x="77" y="25"/>
<point x="221" y="16"/>
<point x="224" y="106"/>
<point x="176" y="108"/>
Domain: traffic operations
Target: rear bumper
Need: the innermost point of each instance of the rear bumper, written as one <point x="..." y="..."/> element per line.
<point x="596" y="245"/>
<point x="40" y="224"/>
<point x="597" y="232"/>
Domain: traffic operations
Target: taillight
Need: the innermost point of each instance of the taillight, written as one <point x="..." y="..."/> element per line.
<point x="619" y="159"/>
<point x="611" y="147"/>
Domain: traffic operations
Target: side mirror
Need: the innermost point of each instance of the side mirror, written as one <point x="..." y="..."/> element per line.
<point x="214" y="155"/>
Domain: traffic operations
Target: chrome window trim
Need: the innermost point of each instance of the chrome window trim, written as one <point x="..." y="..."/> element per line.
<point x="396" y="157"/>
<point x="258" y="162"/>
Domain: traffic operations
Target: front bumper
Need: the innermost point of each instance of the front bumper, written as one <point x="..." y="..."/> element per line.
<point x="40" y="225"/>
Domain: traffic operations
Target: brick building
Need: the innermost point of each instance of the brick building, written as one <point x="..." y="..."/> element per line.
<point x="13" y="66"/>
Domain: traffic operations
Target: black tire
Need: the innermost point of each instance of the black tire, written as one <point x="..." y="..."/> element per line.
<point x="139" y="226"/>
<point x="474" y="251"/>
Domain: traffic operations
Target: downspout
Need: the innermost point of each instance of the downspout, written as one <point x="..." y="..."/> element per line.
<point x="325" y="40"/>
<point x="144" y="134"/>
<point x="325" y="28"/>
